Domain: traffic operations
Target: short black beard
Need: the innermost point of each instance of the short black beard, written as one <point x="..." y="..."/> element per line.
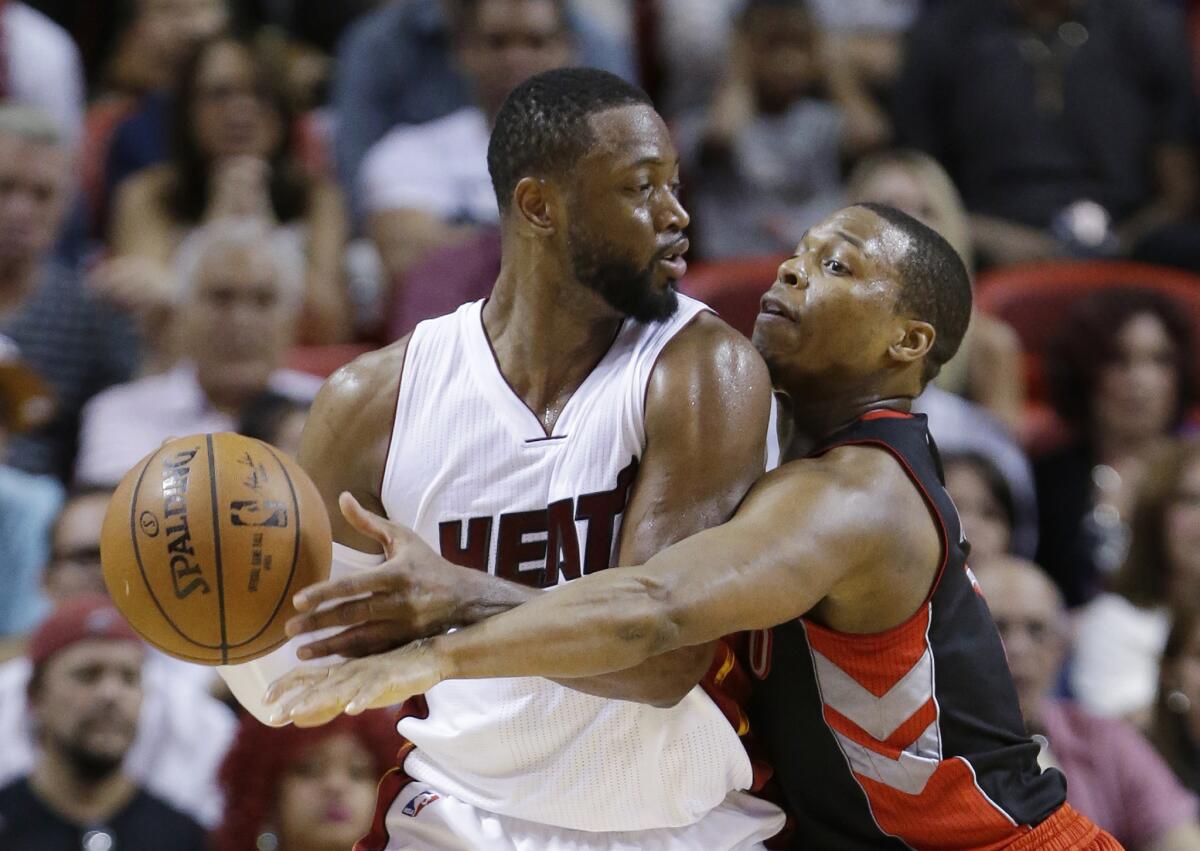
<point x="599" y="266"/>
<point x="88" y="765"/>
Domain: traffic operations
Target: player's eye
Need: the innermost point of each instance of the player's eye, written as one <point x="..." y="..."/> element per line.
<point x="836" y="267"/>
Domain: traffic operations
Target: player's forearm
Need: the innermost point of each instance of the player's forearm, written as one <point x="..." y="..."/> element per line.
<point x="594" y="626"/>
<point x="661" y="680"/>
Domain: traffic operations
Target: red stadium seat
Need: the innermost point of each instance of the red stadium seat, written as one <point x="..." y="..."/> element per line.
<point x="323" y="361"/>
<point x="733" y="288"/>
<point x="1033" y="298"/>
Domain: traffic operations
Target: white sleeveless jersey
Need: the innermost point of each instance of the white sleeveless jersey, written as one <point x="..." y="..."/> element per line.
<point x="471" y="469"/>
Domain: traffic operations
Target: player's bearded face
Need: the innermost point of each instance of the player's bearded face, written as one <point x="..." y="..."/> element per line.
<point x="620" y="281"/>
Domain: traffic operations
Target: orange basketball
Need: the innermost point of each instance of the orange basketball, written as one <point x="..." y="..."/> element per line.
<point x="205" y="542"/>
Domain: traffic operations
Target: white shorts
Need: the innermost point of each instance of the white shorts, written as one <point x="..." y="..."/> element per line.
<point x="423" y="819"/>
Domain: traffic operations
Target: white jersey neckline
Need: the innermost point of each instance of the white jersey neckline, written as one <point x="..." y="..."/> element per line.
<point x="519" y="418"/>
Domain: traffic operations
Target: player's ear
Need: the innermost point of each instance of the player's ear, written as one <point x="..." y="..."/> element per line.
<point x="913" y="341"/>
<point x="533" y="203"/>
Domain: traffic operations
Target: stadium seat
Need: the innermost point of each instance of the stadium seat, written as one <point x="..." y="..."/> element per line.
<point x="733" y="288"/>
<point x="1033" y="298"/>
<point x="323" y="361"/>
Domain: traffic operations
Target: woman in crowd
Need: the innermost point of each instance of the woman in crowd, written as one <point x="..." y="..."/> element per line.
<point x="984" y="502"/>
<point x="294" y="789"/>
<point x="1121" y="634"/>
<point x="987" y="369"/>
<point x="231" y="131"/>
<point x="1176" y="727"/>
<point x="1121" y="376"/>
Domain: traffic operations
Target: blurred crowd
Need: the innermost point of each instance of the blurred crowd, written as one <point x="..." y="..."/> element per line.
<point x="208" y="205"/>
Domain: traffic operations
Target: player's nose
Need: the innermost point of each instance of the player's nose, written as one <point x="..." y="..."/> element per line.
<point x="791" y="273"/>
<point x="672" y="215"/>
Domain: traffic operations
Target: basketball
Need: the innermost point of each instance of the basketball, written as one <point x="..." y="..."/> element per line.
<point x="206" y="540"/>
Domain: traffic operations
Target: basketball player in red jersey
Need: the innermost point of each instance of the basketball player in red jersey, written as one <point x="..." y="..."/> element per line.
<point x="549" y="432"/>
<point x="884" y="695"/>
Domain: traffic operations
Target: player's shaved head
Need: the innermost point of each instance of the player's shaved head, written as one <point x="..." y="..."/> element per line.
<point x="935" y="286"/>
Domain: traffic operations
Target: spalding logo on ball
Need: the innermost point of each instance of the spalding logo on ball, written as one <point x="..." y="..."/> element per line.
<point x="206" y="540"/>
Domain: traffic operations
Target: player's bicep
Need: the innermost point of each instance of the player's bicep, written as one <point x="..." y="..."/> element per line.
<point x="792" y="541"/>
<point x="707" y="410"/>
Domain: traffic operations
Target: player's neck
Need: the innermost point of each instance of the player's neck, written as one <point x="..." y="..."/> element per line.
<point x="80" y="800"/>
<point x="815" y="420"/>
<point x="546" y="338"/>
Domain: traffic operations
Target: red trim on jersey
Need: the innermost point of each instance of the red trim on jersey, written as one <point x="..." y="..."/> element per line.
<point x="950" y="812"/>
<point x="886" y="414"/>
<point x="758" y="651"/>
<point x="876" y="661"/>
<point x="390" y="786"/>
<point x="395" y="780"/>
<point x="901" y="738"/>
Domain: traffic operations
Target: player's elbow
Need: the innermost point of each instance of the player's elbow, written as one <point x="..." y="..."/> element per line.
<point x="645" y="624"/>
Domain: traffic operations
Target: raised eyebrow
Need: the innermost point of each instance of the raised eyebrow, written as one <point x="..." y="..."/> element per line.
<point x="853" y="240"/>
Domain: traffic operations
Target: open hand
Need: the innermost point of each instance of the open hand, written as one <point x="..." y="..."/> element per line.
<point x="415" y="593"/>
<point x="315" y="696"/>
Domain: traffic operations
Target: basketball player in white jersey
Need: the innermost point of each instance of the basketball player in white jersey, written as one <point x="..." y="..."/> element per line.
<point x="583" y="416"/>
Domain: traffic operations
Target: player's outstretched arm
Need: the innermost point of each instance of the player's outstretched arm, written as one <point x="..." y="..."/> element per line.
<point x="802" y="531"/>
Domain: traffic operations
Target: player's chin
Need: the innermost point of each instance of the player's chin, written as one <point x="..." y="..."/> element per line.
<point x="774" y="333"/>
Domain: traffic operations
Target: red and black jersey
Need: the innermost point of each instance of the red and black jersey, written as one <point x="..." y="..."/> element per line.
<point x="912" y="737"/>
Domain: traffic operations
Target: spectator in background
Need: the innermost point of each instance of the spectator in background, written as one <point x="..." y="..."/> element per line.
<point x="40" y="67"/>
<point x="984" y="502"/>
<point x="75" y="345"/>
<point x="1114" y="776"/>
<point x="295" y="789"/>
<point x="691" y="41"/>
<point x="765" y="158"/>
<point x="242" y="291"/>
<point x="182" y="732"/>
<point x="1121" y="376"/>
<point x="870" y="34"/>
<point x="1176" y="724"/>
<point x="84" y="695"/>
<point x="73" y="569"/>
<point x="230" y="158"/>
<point x="427" y="186"/>
<point x="127" y="126"/>
<point x="1068" y="125"/>
<point x="276" y="419"/>
<point x="396" y="66"/>
<point x="1121" y="634"/>
<point x="28" y="503"/>
<point x="987" y="369"/>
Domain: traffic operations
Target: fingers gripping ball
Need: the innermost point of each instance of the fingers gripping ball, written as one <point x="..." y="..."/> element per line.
<point x="205" y="542"/>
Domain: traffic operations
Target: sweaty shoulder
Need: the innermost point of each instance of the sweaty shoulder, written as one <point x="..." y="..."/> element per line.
<point x="346" y="436"/>
<point x="707" y="357"/>
<point x="870" y="497"/>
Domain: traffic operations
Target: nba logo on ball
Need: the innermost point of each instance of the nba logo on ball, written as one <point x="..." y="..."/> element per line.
<point x="420" y="802"/>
